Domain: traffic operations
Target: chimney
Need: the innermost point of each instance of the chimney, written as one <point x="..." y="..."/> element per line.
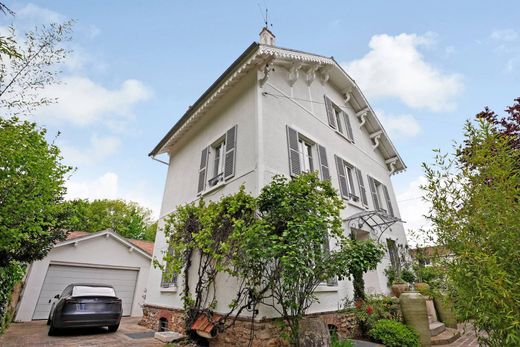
<point x="267" y="37"/>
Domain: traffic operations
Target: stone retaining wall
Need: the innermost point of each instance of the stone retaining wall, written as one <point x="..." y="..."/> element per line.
<point x="266" y="331"/>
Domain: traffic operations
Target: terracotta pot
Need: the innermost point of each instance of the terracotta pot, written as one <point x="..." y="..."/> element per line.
<point x="422" y="288"/>
<point x="399" y="288"/>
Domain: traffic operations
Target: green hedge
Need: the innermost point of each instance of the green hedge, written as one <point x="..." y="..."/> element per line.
<point x="9" y="276"/>
<point x="394" y="334"/>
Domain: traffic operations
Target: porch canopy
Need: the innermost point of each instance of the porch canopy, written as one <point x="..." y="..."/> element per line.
<point x="377" y="221"/>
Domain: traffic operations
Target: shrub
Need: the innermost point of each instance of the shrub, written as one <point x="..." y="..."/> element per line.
<point x="408" y="275"/>
<point x="394" y="334"/>
<point x="336" y="342"/>
<point x="376" y="308"/>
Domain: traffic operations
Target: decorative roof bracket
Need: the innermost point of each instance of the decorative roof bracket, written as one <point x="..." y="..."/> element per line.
<point x="294" y="72"/>
<point x="362" y="116"/>
<point x="348" y="95"/>
<point x="265" y="67"/>
<point x="311" y="74"/>
<point x="376" y="136"/>
<point x="324" y="76"/>
<point x="391" y="162"/>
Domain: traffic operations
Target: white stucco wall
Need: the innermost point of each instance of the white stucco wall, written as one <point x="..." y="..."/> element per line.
<point x="261" y="153"/>
<point x="100" y="252"/>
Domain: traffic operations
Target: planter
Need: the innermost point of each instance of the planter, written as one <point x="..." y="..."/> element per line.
<point x="423" y="288"/>
<point x="444" y="309"/>
<point x="415" y="315"/>
<point x="399" y="288"/>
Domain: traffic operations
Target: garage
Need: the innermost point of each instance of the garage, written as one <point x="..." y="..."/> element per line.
<point x="60" y="276"/>
<point x="104" y="257"/>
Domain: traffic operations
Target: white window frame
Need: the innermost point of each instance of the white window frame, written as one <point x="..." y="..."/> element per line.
<point x="341" y="123"/>
<point x="306" y="149"/>
<point x="217" y="152"/>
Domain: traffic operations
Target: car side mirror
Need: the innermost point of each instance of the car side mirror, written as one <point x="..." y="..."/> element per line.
<point x="57" y="296"/>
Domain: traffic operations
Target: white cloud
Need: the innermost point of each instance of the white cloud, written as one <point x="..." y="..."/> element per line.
<point x="504" y="35"/>
<point x="404" y="125"/>
<point x="35" y="13"/>
<point x="100" y="148"/>
<point x="107" y="186"/>
<point x="81" y="101"/>
<point x="413" y="207"/>
<point x="394" y="67"/>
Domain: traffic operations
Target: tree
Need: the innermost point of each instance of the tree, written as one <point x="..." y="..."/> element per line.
<point x="475" y="213"/>
<point x="276" y="246"/>
<point x="127" y="218"/>
<point x="508" y="126"/>
<point x="32" y="180"/>
<point x="27" y="68"/>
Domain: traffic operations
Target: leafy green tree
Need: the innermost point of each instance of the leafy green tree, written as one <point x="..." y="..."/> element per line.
<point x="475" y="199"/>
<point x="29" y="66"/>
<point x="32" y="180"/>
<point x="127" y="218"/>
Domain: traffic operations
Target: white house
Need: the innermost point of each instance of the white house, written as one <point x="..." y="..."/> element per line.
<point x="103" y="257"/>
<point x="282" y="111"/>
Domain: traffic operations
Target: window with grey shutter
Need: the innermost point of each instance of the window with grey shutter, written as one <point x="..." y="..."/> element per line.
<point x="230" y="158"/>
<point x="373" y="191"/>
<point x="388" y="202"/>
<point x="343" y="187"/>
<point x="350" y="133"/>
<point x="362" y="189"/>
<point x="203" y="170"/>
<point x="294" y="153"/>
<point x="331" y="115"/>
<point x="324" y="165"/>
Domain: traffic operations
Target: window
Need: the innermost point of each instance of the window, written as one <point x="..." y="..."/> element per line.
<point x="306" y="155"/>
<point x="219" y="159"/>
<point x="169" y="278"/>
<point x="339" y="119"/>
<point x="217" y="153"/>
<point x="351" y="182"/>
<point x="378" y="192"/>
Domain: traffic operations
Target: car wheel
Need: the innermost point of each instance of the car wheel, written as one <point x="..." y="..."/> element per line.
<point x="113" y="328"/>
<point x="52" y="330"/>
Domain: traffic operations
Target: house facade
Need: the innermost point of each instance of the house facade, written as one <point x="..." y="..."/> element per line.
<point x="281" y="111"/>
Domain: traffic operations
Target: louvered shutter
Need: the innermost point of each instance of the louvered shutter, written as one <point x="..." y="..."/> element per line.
<point x="324" y="164"/>
<point x="230" y="157"/>
<point x="294" y="154"/>
<point x="362" y="189"/>
<point x="350" y="134"/>
<point x="330" y="112"/>
<point x="375" y="199"/>
<point x="333" y="281"/>
<point x="203" y="170"/>
<point x="388" y="202"/>
<point x="343" y="188"/>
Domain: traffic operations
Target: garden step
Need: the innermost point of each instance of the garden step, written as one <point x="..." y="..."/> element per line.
<point x="446" y="337"/>
<point x="436" y="328"/>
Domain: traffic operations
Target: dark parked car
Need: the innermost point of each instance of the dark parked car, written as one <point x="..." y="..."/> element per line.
<point x="85" y="305"/>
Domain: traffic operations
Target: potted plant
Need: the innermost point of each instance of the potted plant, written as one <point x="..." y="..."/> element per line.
<point x="399" y="286"/>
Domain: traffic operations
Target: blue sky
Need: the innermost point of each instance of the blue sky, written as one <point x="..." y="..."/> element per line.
<point x="138" y="65"/>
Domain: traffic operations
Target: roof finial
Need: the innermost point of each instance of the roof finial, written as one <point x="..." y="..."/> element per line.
<point x="266" y="36"/>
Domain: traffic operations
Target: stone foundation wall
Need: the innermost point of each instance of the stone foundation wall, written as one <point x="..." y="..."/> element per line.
<point x="266" y="332"/>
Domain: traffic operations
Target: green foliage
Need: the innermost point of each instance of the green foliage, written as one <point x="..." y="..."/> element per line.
<point x="375" y="308"/>
<point x="335" y="341"/>
<point x="362" y="256"/>
<point x="127" y="218"/>
<point x="408" y="275"/>
<point x="9" y="276"/>
<point x="394" y="334"/>
<point x="276" y="245"/>
<point x="29" y="66"/>
<point x="476" y="217"/>
<point x="31" y="188"/>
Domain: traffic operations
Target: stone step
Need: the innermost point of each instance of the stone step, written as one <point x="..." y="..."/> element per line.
<point x="436" y="328"/>
<point x="446" y="337"/>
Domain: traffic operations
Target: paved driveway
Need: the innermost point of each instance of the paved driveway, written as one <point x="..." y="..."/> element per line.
<point x="35" y="334"/>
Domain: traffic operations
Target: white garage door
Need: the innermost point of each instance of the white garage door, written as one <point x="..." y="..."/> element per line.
<point x="60" y="276"/>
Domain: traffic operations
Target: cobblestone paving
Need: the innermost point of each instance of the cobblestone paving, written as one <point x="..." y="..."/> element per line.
<point x="35" y="334"/>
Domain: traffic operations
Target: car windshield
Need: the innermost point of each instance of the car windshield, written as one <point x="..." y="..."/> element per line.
<point x="93" y="291"/>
